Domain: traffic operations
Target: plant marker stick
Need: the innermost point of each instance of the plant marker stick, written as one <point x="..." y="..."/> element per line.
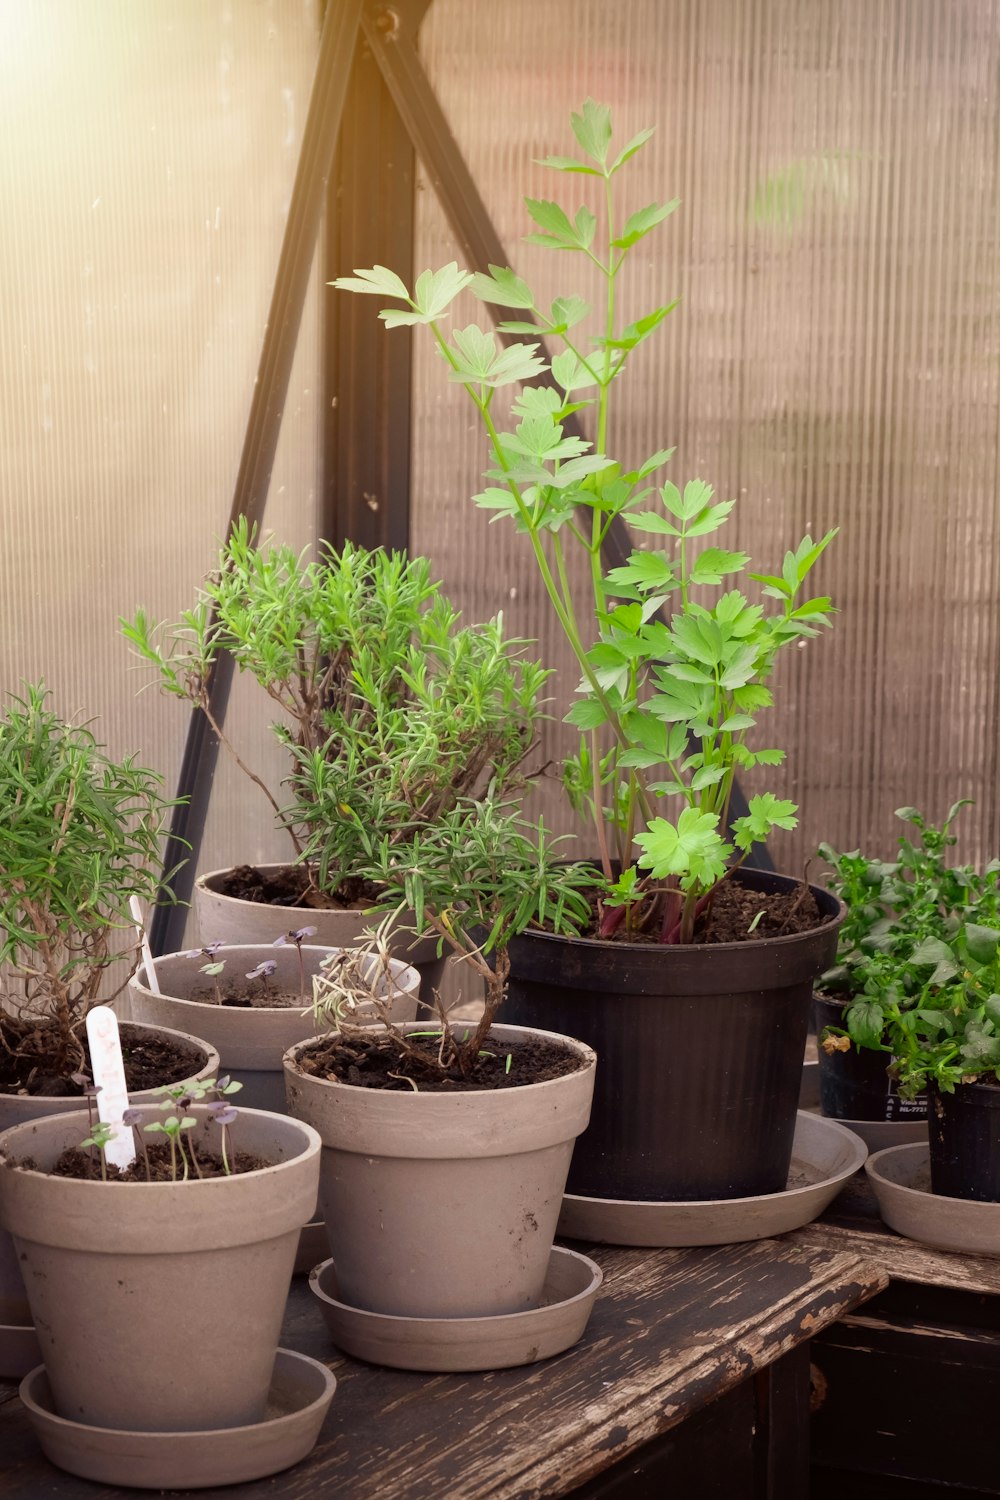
<point x="109" y="1079"/>
<point x="147" y="952"/>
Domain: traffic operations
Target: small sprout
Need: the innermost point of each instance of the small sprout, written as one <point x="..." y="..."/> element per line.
<point x="297" y="937"/>
<point x="100" y="1134"/>
<point x="213" y="971"/>
<point x="756" y="920"/>
<point x="510" y="1059"/>
<point x="209" y="951"/>
<point x="263" y="972"/>
<point x="223" y="1115"/>
<point x="133" y="1118"/>
<point x="172" y="1128"/>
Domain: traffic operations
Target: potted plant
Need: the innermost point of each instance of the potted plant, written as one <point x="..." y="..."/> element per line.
<point x="446" y="1146"/>
<point x="159" y="1287"/>
<point x="251" y="1001"/>
<point x="694" y="981"/>
<point x="900" y="915"/>
<point x="945" y="1040"/>
<point x="80" y="837"/>
<point x="380" y="698"/>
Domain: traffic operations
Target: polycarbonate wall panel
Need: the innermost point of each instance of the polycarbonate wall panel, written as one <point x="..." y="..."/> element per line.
<point x="147" y="155"/>
<point x="835" y="360"/>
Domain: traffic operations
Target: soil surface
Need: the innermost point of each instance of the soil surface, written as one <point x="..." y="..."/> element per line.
<point x="30" y="1063"/>
<point x="737" y="914"/>
<point x="86" y="1164"/>
<point x="378" y="1063"/>
<point x="248" y="995"/>
<point x="292" y="885"/>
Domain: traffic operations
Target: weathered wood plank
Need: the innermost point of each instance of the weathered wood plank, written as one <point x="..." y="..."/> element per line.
<point x="671" y="1331"/>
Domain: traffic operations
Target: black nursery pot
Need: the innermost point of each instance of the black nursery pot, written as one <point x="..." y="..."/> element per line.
<point x="699" y="1052"/>
<point x="964" y="1132"/>
<point x="856" y="1085"/>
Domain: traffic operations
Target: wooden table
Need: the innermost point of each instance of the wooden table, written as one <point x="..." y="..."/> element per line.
<point x="695" y="1363"/>
<point x="907" y="1386"/>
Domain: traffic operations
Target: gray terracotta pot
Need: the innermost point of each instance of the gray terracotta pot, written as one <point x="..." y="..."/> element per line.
<point x="18" y="1109"/>
<point x="443" y="1205"/>
<point x="250" y="1042"/>
<point x="158" y="1305"/>
<point x="227" y="919"/>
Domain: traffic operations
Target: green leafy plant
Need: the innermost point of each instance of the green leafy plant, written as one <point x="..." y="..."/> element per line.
<point x="385" y="703"/>
<point x="664" y="705"/>
<point x="477" y="878"/>
<point x="903" y="918"/>
<point x="948" y="1031"/>
<point x="80" y="835"/>
<point x="101" y="1134"/>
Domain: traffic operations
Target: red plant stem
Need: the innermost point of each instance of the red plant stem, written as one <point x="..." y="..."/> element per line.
<point x="611" y="920"/>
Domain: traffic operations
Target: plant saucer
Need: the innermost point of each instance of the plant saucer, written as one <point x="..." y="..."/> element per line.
<point x="464" y="1344"/>
<point x="824" y="1156"/>
<point x="19" y="1351"/>
<point x="901" y="1180"/>
<point x="314" y="1246"/>
<point x="878" y="1134"/>
<point x="301" y="1392"/>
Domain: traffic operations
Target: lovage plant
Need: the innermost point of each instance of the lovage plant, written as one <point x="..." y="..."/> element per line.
<point x="674" y="664"/>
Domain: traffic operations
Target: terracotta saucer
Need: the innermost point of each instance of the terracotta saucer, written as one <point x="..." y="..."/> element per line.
<point x="901" y="1180"/>
<point x="824" y="1155"/>
<point x="301" y="1392"/>
<point x="878" y="1134"/>
<point x="465" y="1344"/>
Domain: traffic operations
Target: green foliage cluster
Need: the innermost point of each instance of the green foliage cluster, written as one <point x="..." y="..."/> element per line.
<point x="392" y="715"/>
<point x="664" y="705"/>
<point x="80" y="835"/>
<point x="917" y="958"/>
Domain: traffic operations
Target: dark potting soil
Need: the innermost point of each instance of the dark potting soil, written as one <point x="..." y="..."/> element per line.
<point x="252" y="997"/>
<point x="379" y="1063"/>
<point x="30" y="1061"/>
<point x="735" y="909"/>
<point x="292" y="885"/>
<point x="86" y="1164"/>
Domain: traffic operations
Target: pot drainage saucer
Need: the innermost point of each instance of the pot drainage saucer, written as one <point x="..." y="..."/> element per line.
<point x="901" y="1180"/>
<point x="878" y="1134"/>
<point x="464" y="1344"/>
<point x="301" y="1392"/>
<point x="19" y="1351"/>
<point x="824" y="1155"/>
<point x="314" y="1246"/>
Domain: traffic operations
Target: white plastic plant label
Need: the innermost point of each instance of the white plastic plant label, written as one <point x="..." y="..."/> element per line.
<point x="109" y="1080"/>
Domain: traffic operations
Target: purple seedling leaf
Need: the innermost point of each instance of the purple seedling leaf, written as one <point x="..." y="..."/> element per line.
<point x="263" y="970"/>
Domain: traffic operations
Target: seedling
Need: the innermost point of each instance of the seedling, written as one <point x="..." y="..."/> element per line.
<point x="224" y="1115"/>
<point x="297" y="937"/>
<point x="213" y="971"/>
<point x="172" y="1127"/>
<point x="100" y="1135"/>
<point x="133" y="1118"/>
<point x="263" y="972"/>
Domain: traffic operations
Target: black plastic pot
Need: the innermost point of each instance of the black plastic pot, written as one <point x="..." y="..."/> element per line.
<point x="699" y="1052"/>
<point x="964" y="1133"/>
<point x="856" y="1085"/>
